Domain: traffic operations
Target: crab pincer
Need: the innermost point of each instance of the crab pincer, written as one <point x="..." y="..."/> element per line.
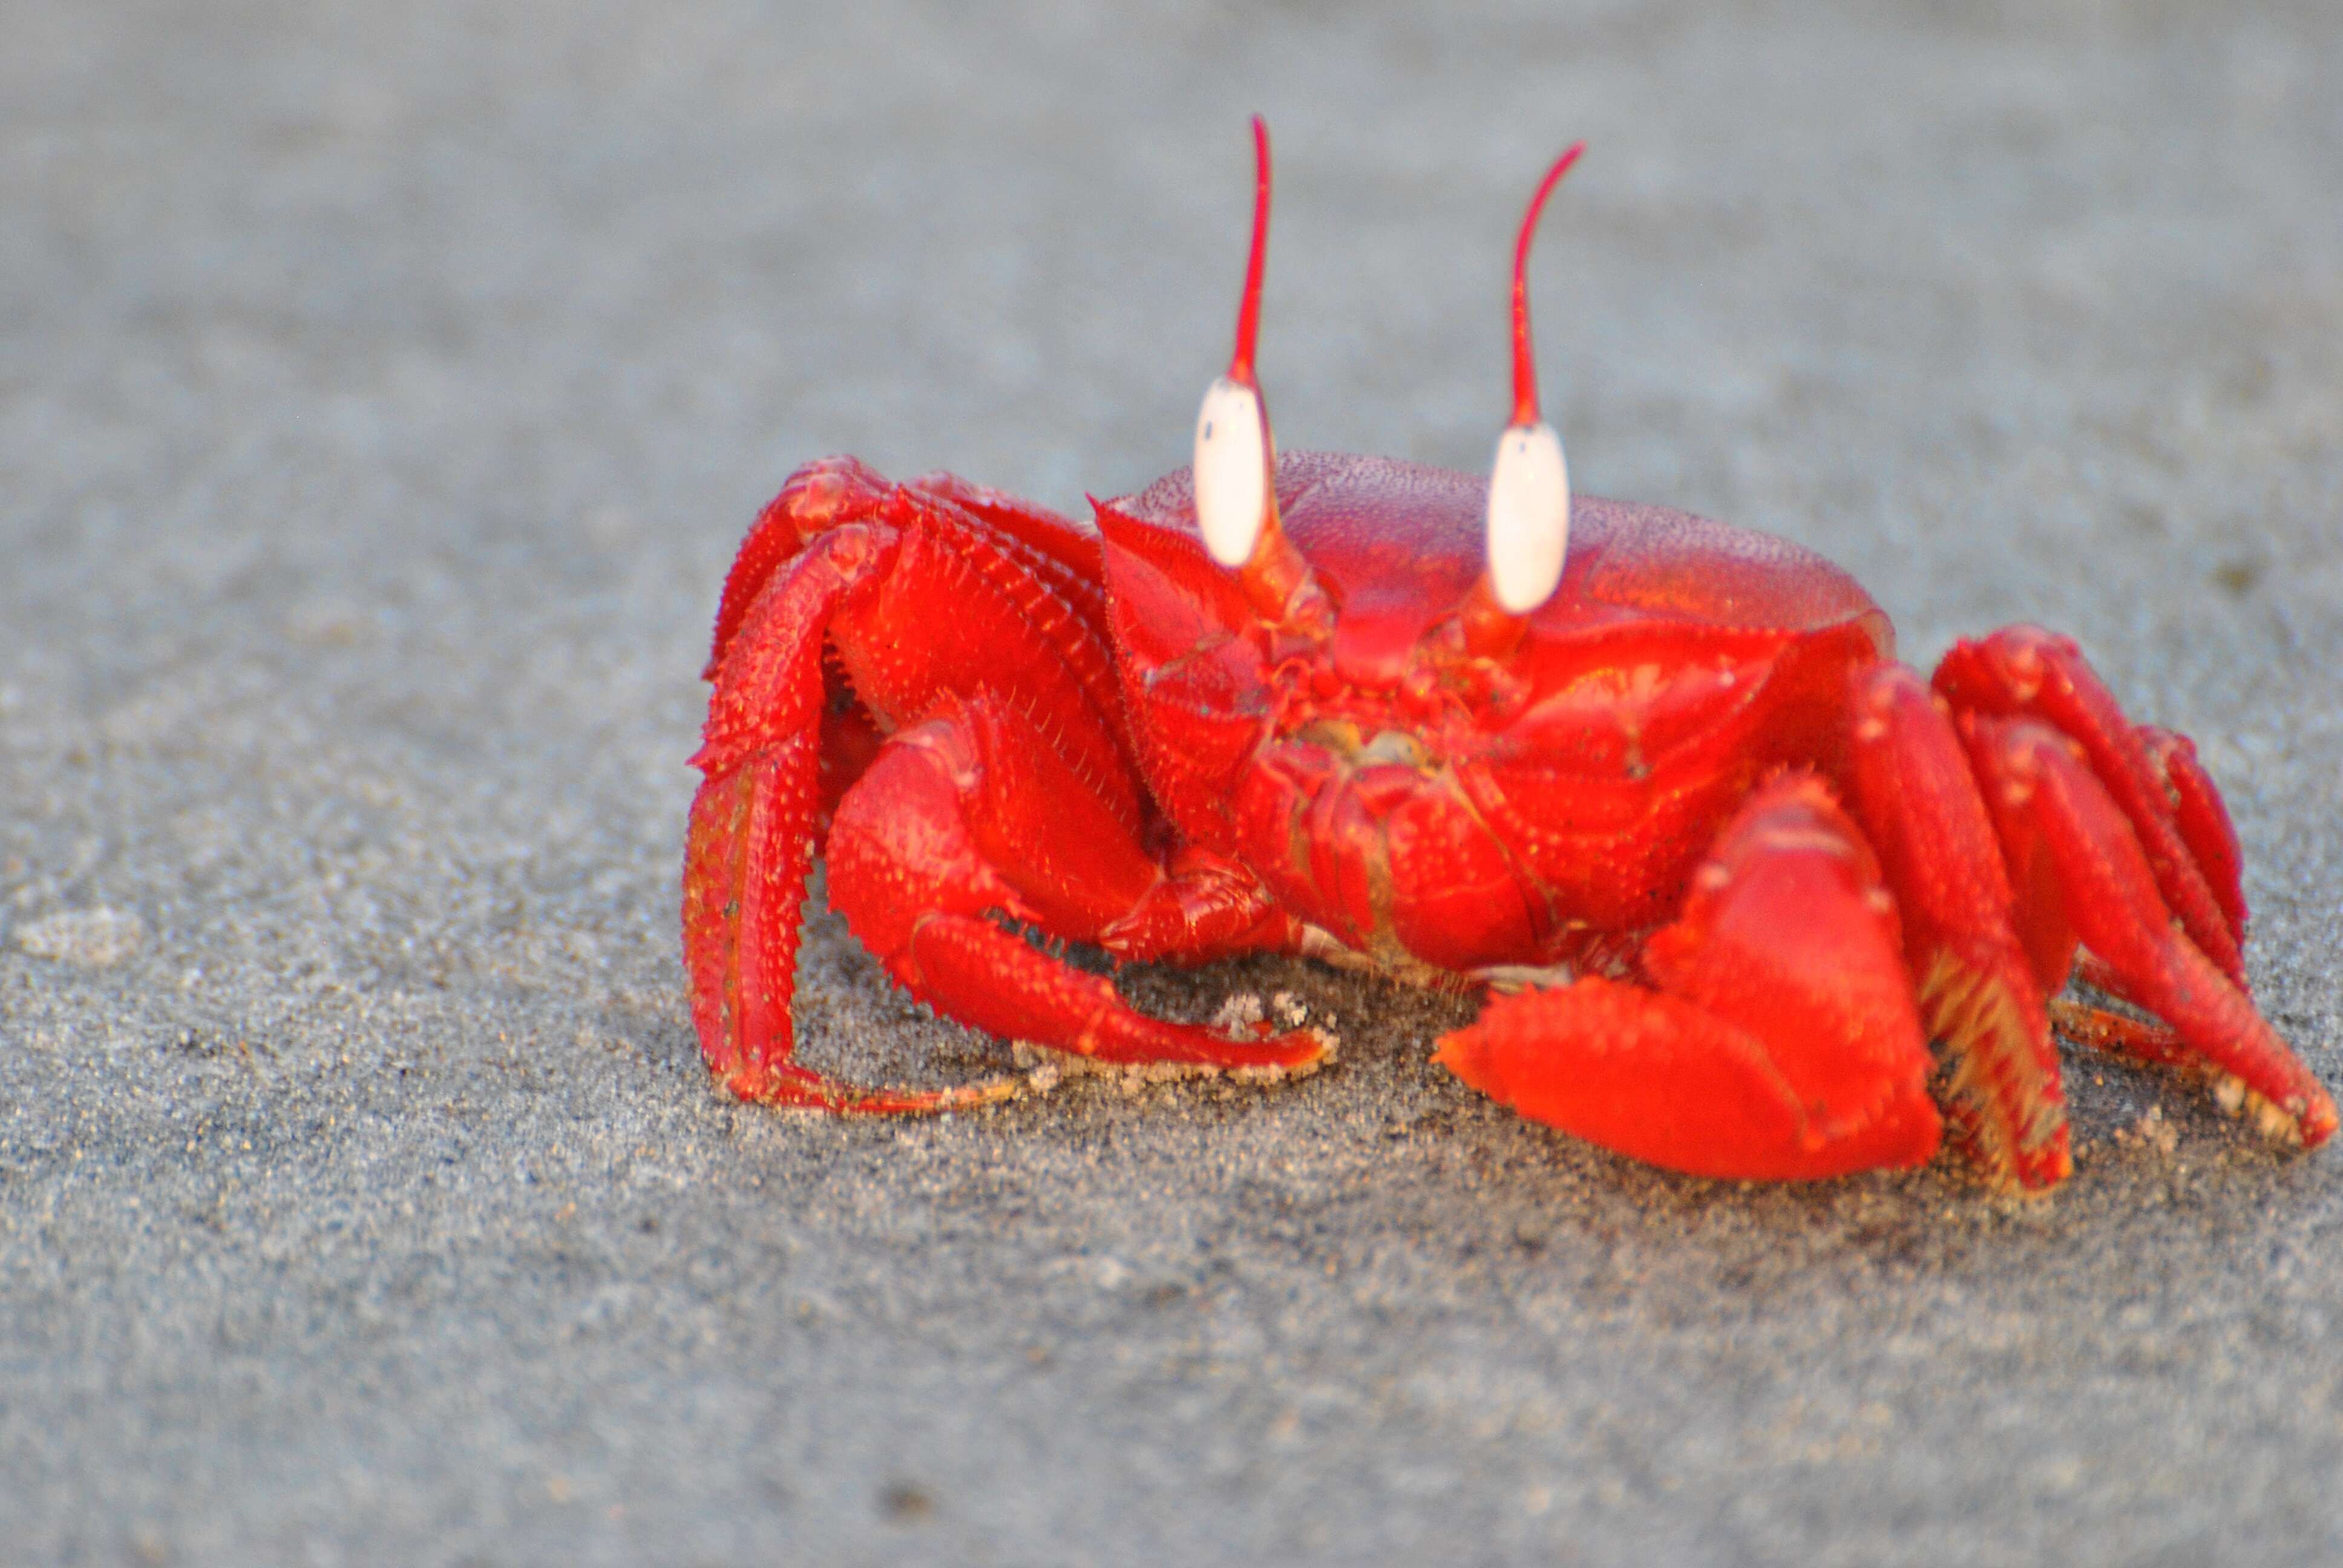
<point x="1779" y="1037"/>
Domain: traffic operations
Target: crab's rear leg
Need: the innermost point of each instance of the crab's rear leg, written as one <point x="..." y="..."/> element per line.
<point x="1976" y="973"/>
<point x="2055" y="812"/>
<point x="2120" y="843"/>
<point x="2151" y="777"/>
<point x="2203" y="822"/>
<point x="1782" y="1042"/>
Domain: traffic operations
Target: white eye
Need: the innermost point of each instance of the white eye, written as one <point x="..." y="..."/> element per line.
<point x="1529" y="516"/>
<point x="1232" y="471"/>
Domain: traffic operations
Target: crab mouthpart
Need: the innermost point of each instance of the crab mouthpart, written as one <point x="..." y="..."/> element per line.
<point x="1376" y="633"/>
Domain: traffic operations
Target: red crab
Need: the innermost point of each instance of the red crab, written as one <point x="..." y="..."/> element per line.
<point x="1751" y="898"/>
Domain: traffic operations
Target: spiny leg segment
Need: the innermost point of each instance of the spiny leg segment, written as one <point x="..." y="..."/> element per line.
<point x="957" y="617"/>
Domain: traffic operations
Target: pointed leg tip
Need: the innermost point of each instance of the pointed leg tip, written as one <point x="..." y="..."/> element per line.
<point x="2305" y="1120"/>
<point x="1466" y="1053"/>
<point x="2046" y="1167"/>
<point x="1295" y="1054"/>
<point x="1280" y="1058"/>
<point x="2030" y="1174"/>
<point x="755" y="1083"/>
<point x="799" y="1088"/>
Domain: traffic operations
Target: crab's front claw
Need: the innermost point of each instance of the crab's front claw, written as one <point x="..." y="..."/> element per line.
<point x="1783" y="1043"/>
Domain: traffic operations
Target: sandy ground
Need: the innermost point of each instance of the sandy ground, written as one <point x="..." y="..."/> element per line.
<point x="382" y="392"/>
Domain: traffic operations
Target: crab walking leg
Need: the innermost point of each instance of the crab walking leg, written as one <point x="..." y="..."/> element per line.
<point x="830" y="492"/>
<point x="811" y="666"/>
<point x="1981" y="994"/>
<point x="2151" y="1043"/>
<point x="741" y="931"/>
<point x="1049" y="568"/>
<point x="2203" y="820"/>
<point x="1781" y="1043"/>
<point x="2025" y="671"/>
<point x="973" y="814"/>
<point x="2050" y="804"/>
<point x="751" y="836"/>
<point x="895" y="600"/>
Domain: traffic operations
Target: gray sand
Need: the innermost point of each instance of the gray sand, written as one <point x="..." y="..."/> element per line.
<point x="382" y="392"/>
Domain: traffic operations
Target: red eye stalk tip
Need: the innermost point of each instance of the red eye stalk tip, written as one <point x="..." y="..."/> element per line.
<point x="1249" y="310"/>
<point x="1525" y="398"/>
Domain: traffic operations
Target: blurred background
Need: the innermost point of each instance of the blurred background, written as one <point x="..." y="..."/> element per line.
<point x="383" y="389"/>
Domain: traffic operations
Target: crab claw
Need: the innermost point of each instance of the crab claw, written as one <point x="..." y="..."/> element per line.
<point x="1781" y="1043"/>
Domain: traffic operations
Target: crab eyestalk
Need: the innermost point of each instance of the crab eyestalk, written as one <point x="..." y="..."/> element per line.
<point x="1235" y="467"/>
<point x="1528" y="521"/>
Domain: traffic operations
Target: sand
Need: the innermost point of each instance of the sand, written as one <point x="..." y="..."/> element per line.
<point x="382" y="392"/>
